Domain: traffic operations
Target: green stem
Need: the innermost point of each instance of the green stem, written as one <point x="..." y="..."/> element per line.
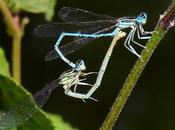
<point x="9" y="21"/>
<point x="162" y="27"/>
<point x="16" y="31"/>
<point x="16" y="58"/>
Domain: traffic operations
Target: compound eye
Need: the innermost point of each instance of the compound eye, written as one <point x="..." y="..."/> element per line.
<point x="142" y="18"/>
<point x="80" y="65"/>
<point x="143" y="15"/>
<point x="81" y="62"/>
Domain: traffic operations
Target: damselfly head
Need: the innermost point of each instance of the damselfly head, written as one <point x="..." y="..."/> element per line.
<point x="142" y="18"/>
<point x="80" y="65"/>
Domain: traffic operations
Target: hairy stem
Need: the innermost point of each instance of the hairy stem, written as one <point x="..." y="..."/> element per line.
<point x="165" y="22"/>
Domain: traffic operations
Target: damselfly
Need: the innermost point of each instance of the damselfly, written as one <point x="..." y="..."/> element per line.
<point x="89" y="26"/>
<point x="71" y="78"/>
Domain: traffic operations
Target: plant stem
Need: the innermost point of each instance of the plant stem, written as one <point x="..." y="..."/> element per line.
<point x="16" y="31"/>
<point x="166" y="21"/>
<point x="9" y="21"/>
<point x="16" y="58"/>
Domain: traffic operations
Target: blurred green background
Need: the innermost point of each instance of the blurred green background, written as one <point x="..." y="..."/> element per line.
<point x="151" y="105"/>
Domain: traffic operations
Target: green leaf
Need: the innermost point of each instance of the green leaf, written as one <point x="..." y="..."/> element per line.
<point x="13" y="94"/>
<point x="33" y="6"/>
<point x="4" y="66"/>
<point x="59" y="124"/>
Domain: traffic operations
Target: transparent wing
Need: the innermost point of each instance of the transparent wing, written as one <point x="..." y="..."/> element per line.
<point x="26" y="109"/>
<point x="79" y="15"/>
<point x="55" y="29"/>
<point x="75" y="45"/>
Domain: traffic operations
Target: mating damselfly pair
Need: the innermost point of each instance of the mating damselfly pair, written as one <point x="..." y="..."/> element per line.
<point x="87" y="26"/>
